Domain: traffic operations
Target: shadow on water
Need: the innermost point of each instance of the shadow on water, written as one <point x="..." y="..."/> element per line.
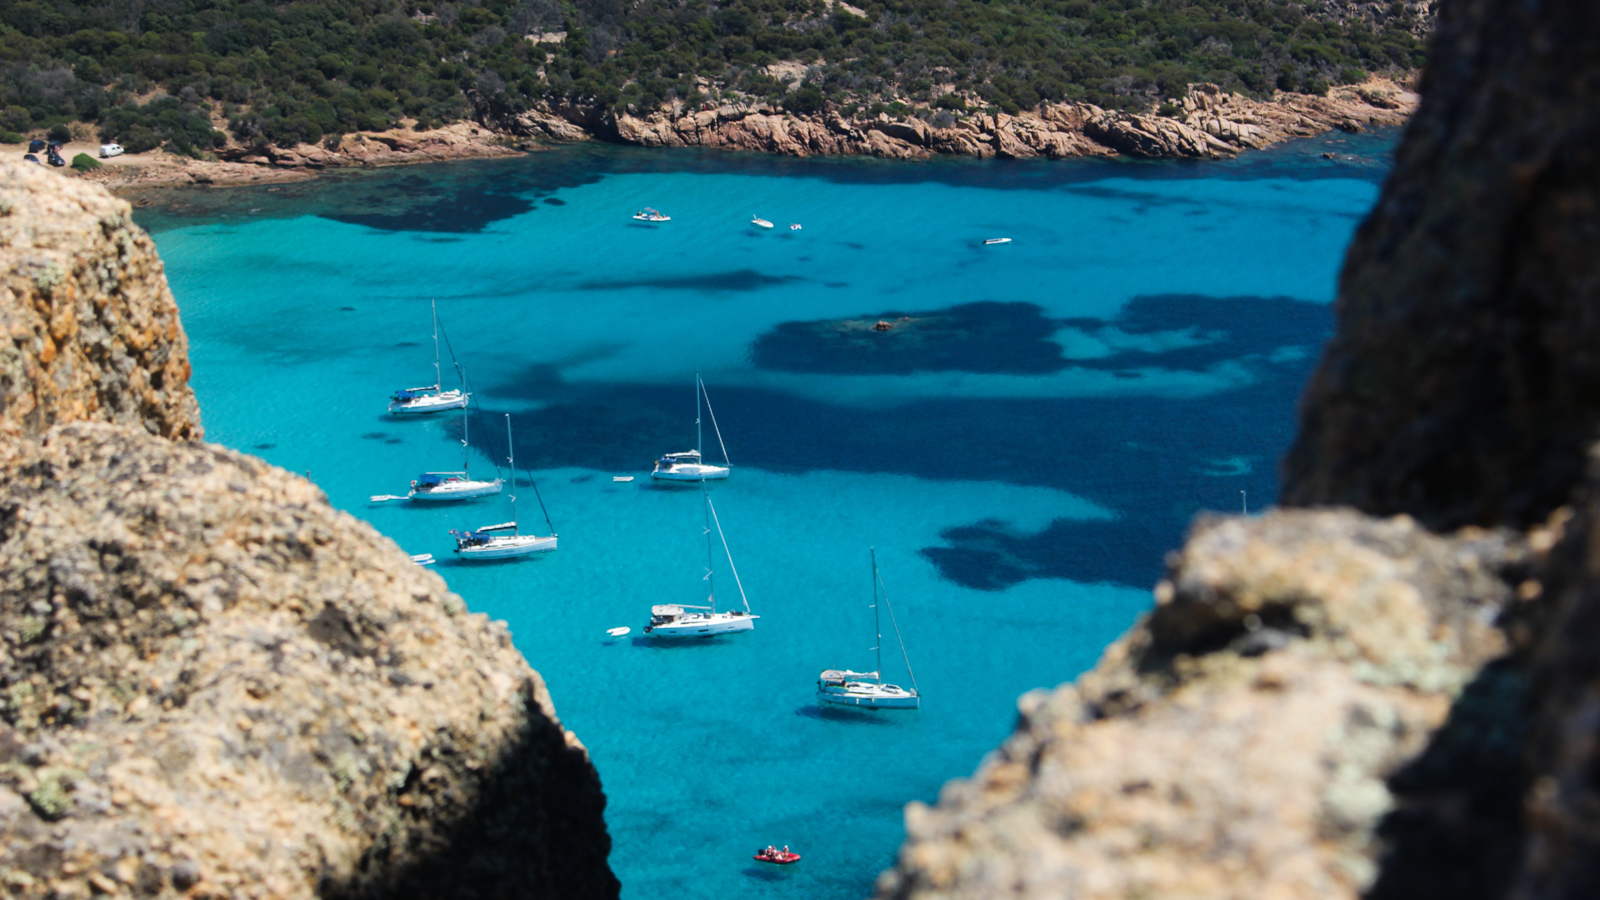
<point x="739" y="280"/>
<point x="841" y="714"/>
<point x="1152" y="461"/>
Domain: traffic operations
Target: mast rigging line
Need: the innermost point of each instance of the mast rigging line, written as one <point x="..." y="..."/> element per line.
<point x="885" y="588"/>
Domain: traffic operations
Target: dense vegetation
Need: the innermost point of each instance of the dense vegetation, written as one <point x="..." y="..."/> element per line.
<point x="149" y="72"/>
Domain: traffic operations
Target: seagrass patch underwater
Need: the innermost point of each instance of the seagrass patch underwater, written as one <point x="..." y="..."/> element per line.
<point x="1023" y="439"/>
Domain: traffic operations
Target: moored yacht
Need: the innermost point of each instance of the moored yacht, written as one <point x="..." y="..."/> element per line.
<point x="429" y="398"/>
<point x="867" y="690"/>
<point x="689" y="465"/>
<point x="493" y="541"/>
<point x="443" y="487"/>
<point x="671" y="620"/>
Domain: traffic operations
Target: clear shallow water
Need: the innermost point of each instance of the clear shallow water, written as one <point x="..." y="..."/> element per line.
<point x="1021" y="453"/>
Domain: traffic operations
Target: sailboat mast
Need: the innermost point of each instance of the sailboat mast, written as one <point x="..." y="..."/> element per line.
<point x="466" y="422"/>
<point x="511" y="460"/>
<point x="438" y="374"/>
<point x="699" y="431"/>
<point x="877" y="627"/>
<point x="711" y="583"/>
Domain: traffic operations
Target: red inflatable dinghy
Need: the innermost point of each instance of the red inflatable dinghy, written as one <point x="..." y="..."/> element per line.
<point x="778" y="857"/>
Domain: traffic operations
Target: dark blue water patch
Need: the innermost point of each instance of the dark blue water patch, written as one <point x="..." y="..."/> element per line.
<point x="1151" y="461"/>
<point x="347" y="309"/>
<point x="394" y="441"/>
<point x="375" y="435"/>
<point x="988" y="336"/>
<point x="555" y="201"/>
<point x="1216" y="329"/>
<point x="832" y="713"/>
<point x="462" y="211"/>
<point x="407" y="344"/>
<point x="991" y="556"/>
<point x="265" y="446"/>
<point x="740" y="280"/>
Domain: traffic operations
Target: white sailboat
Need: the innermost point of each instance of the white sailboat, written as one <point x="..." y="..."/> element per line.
<point x="431" y="398"/>
<point x="689" y="465"/>
<point x="671" y="620"/>
<point x="867" y="690"/>
<point x="759" y="222"/>
<point x="491" y="541"/>
<point x="446" y="487"/>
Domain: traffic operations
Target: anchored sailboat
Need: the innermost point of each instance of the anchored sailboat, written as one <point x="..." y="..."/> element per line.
<point x="689" y="465"/>
<point x="867" y="689"/>
<point x="432" y="398"/>
<point x="670" y="620"/>
<point x="490" y="541"/>
<point x="443" y="487"/>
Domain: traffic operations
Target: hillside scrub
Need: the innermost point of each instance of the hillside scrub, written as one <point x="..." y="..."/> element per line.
<point x="166" y="72"/>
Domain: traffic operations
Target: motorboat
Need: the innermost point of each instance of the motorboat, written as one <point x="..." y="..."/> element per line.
<point x="671" y="620"/>
<point x="759" y="222"/>
<point x="867" y="690"/>
<point x="689" y="465"/>
<point x="650" y="215"/>
<point x="991" y="241"/>
<point x="430" y="398"/>
<point x="493" y="541"/>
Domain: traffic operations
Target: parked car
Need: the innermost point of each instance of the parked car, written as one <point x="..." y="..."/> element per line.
<point x="52" y="155"/>
<point x="36" y="146"/>
<point x="109" y="150"/>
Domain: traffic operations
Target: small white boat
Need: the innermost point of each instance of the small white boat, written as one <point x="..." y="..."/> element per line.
<point x="619" y="631"/>
<point x="867" y="690"/>
<point x="430" y="398"/>
<point x="759" y="222"/>
<point x="990" y="241"/>
<point x="671" y="620"/>
<point x="423" y="559"/>
<point x="795" y="226"/>
<point x="650" y="215"/>
<point x="622" y="478"/>
<point x="491" y="541"/>
<point x="688" y="465"/>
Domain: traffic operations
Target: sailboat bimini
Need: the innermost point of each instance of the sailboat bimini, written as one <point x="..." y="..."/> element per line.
<point x="491" y="541"/>
<point x="432" y="398"/>
<point x="867" y="689"/>
<point x="670" y="620"/>
<point x="689" y="465"/>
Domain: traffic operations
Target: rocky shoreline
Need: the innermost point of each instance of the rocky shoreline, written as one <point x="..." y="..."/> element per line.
<point x="1209" y="124"/>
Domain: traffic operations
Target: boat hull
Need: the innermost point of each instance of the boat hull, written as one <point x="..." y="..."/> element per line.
<point x="690" y="472"/>
<point x="424" y="405"/>
<point x="443" y="495"/>
<point x="508" y="547"/>
<point x="868" y="699"/>
<point x="700" y="626"/>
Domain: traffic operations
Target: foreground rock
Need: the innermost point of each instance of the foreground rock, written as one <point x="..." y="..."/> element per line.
<point x="91" y="330"/>
<point x="216" y="685"/>
<point x="1210" y="125"/>
<point x="1236" y="742"/>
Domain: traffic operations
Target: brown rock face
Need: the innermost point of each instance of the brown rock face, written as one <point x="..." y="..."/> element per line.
<point x="1236" y="742"/>
<point x="91" y="332"/>
<point x="1463" y="385"/>
<point x="214" y="684"/>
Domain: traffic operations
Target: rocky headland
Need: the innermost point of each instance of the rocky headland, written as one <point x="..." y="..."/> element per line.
<point x="1388" y="688"/>
<point x="212" y="683"/>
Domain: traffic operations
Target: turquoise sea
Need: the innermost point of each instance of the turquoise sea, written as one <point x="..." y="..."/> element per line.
<point x="1021" y="449"/>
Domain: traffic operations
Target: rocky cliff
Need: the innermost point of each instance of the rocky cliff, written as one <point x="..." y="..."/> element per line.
<point x="1391" y="691"/>
<point x="212" y="684"/>
<point x="1210" y="125"/>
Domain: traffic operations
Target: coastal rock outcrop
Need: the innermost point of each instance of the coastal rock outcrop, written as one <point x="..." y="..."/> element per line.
<point x="1393" y="693"/>
<point x="1237" y="741"/>
<point x="91" y="332"/>
<point x="1210" y="124"/>
<point x="212" y="683"/>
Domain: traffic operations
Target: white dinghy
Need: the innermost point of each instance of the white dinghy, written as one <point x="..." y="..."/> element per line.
<point x="689" y="465"/>
<point x="867" y="690"/>
<point x="492" y="541"/>
<point x="430" y="398"/>
<point x="670" y="620"/>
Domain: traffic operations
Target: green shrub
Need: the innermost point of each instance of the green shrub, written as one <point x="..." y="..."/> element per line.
<point x="83" y="162"/>
<point x="61" y="134"/>
<point x="11" y="137"/>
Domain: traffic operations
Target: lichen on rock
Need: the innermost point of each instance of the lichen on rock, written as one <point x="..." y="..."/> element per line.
<point x="88" y="328"/>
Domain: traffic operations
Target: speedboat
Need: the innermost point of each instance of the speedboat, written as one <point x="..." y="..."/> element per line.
<point x="759" y="222"/>
<point x="442" y="487"/>
<point x="650" y="215"/>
